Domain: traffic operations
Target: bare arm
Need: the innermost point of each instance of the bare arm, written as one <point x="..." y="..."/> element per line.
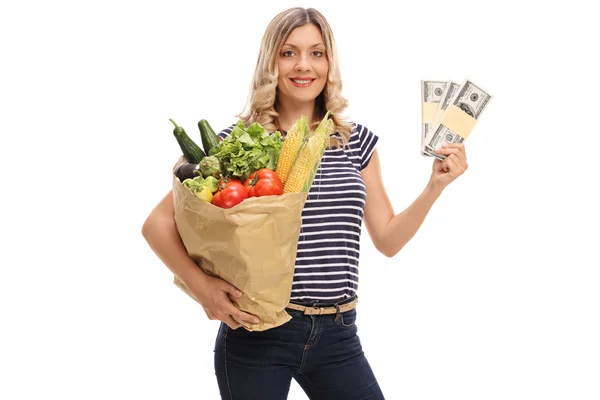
<point x="162" y="235"/>
<point x="390" y="231"/>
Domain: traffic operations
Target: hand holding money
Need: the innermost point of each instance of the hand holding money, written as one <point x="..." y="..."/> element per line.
<point x="453" y="166"/>
<point x="450" y="112"/>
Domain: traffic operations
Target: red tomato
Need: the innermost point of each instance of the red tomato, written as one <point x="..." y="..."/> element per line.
<point x="230" y="193"/>
<point x="264" y="182"/>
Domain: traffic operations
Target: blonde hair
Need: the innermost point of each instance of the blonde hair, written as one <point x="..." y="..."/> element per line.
<point x="261" y="104"/>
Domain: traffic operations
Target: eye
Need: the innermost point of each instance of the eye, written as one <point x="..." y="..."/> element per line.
<point x="287" y="53"/>
<point x="318" y="53"/>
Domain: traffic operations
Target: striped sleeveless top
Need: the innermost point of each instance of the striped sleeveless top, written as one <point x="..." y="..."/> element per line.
<point x="328" y="250"/>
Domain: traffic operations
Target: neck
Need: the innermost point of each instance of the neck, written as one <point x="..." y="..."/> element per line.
<point x="290" y="112"/>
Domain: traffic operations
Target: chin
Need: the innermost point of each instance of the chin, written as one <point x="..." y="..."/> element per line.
<point x="307" y="96"/>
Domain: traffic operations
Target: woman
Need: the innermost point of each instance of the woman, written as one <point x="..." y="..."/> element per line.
<point x="297" y="74"/>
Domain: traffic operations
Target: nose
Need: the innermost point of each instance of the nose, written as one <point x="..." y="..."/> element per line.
<point x="303" y="63"/>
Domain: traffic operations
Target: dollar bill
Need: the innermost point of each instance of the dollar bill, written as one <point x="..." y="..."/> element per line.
<point x="431" y="93"/>
<point x="450" y="90"/>
<point x="470" y="99"/>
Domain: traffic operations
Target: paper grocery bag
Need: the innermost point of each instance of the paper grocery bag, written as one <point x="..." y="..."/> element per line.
<point x="251" y="245"/>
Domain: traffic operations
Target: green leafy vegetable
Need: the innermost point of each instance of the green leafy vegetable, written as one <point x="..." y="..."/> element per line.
<point x="247" y="150"/>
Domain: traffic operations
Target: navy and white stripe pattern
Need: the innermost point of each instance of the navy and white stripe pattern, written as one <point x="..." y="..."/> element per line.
<point x="329" y="244"/>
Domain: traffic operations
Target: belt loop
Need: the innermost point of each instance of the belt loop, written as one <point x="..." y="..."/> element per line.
<point x="338" y="313"/>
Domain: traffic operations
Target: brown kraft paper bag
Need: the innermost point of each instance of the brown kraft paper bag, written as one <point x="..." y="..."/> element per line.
<point x="251" y="245"/>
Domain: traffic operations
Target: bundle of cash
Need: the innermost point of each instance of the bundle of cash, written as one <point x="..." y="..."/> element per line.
<point x="449" y="113"/>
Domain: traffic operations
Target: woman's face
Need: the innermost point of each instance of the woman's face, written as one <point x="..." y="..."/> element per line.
<point x="303" y="65"/>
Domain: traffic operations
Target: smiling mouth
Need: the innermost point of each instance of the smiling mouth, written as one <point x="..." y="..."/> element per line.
<point x="302" y="82"/>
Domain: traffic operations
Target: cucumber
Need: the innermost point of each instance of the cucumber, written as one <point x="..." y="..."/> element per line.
<point x="191" y="151"/>
<point x="210" y="139"/>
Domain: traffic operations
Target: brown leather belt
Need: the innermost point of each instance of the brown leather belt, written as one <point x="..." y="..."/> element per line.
<point x="324" y="310"/>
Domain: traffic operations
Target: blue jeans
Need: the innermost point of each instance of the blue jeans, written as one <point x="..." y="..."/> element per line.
<point x="321" y="352"/>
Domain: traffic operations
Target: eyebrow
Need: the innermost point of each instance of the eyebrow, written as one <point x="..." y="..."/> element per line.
<point x="295" y="47"/>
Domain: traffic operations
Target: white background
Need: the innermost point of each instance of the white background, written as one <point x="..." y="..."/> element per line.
<point x="497" y="295"/>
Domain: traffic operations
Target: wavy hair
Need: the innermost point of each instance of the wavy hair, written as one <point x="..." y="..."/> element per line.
<point x="261" y="105"/>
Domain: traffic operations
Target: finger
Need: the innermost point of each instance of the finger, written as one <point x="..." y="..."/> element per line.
<point x="231" y="309"/>
<point x="446" y="165"/>
<point x="448" y="151"/>
<point x="227" y="319"/>
<point x="459" y="146"/>
<point x="443" y="166"/>
<point x="460" y="162"/>
<point x="453" y="148"/>
<point x="232" y="290"/>
<point x="454" y="165"/>
<point x="242" y="316"/>
<point x="230" y="322"/>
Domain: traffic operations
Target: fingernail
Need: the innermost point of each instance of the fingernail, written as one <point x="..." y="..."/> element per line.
<point x="256" y="320"/>
<point x="238" y="293"/>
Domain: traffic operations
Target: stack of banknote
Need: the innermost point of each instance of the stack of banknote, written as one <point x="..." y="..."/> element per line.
<point x="449" y="113"/>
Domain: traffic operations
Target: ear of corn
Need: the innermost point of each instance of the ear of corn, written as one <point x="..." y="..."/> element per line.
<point x="305" y="167"/>
<point x="290" y="150"/>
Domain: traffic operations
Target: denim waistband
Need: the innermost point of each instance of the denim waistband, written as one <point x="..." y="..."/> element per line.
<point x="322" y="303"/>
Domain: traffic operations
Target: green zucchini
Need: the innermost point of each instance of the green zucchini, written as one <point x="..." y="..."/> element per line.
<point x="191" y="151"/>
<point x="209" y="137"/>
